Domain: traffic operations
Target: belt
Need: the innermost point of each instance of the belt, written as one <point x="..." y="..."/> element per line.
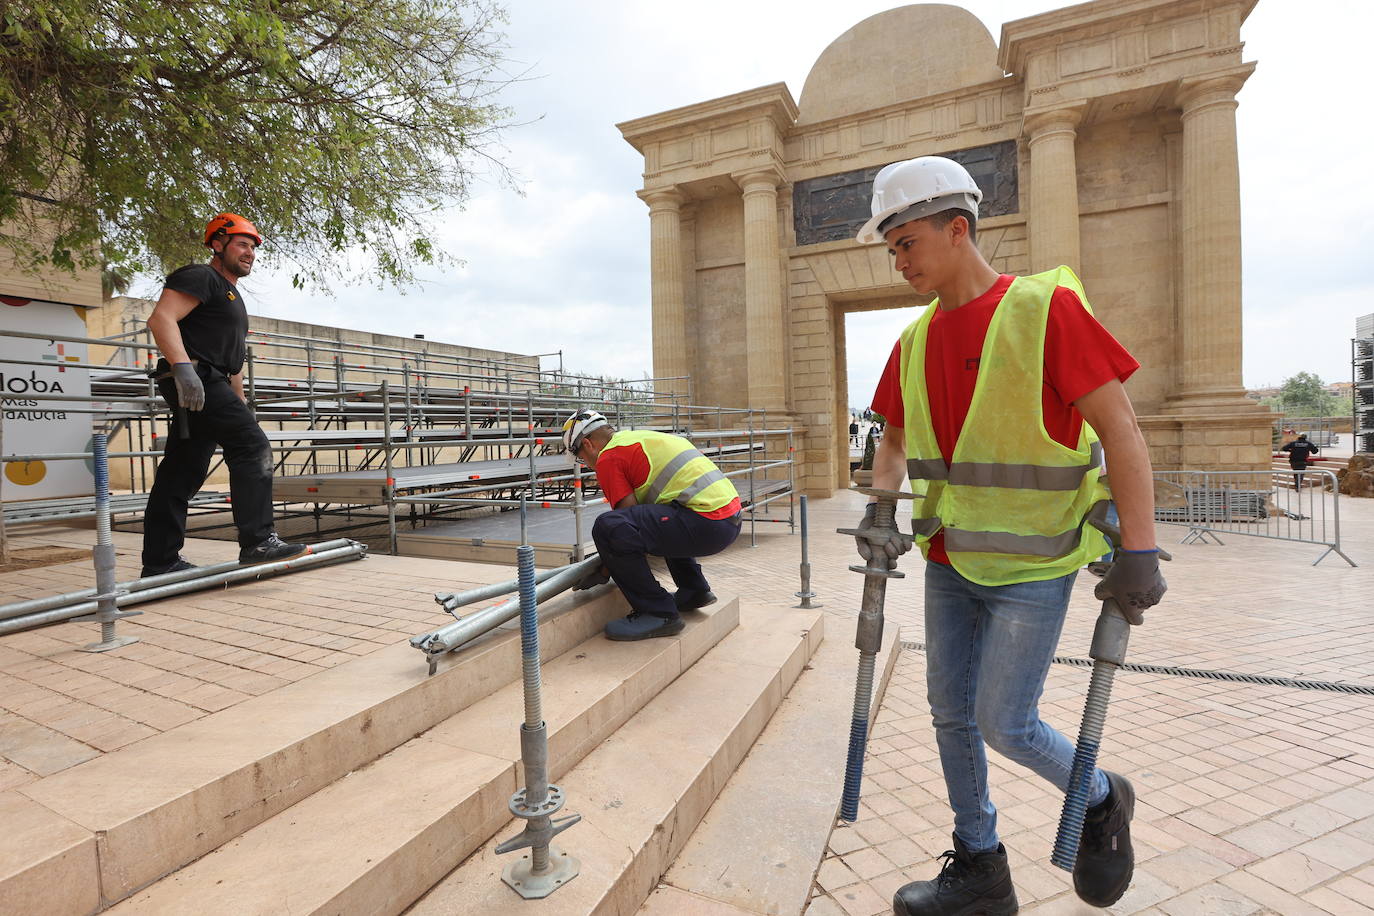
<point x="160" y="376"/>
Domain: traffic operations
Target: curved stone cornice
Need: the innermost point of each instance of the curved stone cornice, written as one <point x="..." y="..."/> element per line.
<point x="1037" y="124"/>
<point x="1196" y="93"/>
<point x="669" y="198"/>
<point x="767" y="178"/>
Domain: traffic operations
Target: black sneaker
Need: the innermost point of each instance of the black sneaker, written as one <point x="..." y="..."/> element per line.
<point x="271" y="550"/>
<point x="969" y="884"/>
<point x="1106" y="860"/>
<point x="690" y="601"/>
<point x="177" y="565"/>
<point x="643" y="626"/>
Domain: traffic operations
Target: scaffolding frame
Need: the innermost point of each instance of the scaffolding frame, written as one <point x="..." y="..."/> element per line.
<point x="381" y="414"/>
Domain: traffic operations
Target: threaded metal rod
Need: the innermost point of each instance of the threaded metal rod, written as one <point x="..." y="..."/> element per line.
<point x="529" y="637"/>
<point x="858" y="738"/>
<point x="1084" y="766"/>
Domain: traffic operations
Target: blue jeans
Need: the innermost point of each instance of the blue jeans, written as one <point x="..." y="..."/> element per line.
<point x="988" y="650"/>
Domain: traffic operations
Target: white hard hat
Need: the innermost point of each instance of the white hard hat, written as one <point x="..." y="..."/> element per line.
<point x="904" y="191"/>
<point x="577" y="427"/>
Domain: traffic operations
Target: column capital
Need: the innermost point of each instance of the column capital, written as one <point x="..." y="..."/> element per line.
<point x="669" y="198"/>
<point x="765" y="178"/>
<point x="1037" y="124"/>
<point x="1207" y="89"/>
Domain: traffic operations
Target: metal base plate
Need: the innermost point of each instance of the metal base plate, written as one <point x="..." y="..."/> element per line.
<point x="115" y="643"/>
<point x="519" y="875"/>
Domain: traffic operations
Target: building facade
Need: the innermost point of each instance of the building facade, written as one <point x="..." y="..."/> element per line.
<point x="1103" y="136"/>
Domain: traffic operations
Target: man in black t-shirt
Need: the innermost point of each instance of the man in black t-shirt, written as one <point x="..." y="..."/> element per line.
<point x="200" y="325"/>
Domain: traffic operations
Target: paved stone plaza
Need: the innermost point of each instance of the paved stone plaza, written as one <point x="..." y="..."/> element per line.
<point x="1252" y="799"/>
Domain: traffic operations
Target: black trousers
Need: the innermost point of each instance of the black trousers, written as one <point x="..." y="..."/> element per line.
<point x="625" y="538"/>
<point x="229" y="423"/>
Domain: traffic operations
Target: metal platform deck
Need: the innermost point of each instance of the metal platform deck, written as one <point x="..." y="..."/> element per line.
<point x="364" y="487"/>
<point x="493" y="538"/>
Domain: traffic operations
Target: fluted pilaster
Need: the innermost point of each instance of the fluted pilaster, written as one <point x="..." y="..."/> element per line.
<point x="667" y="293"/>
<point x="1209" y="229"/>
<point x="763" y="289"/>
<point x="1053" y="220"/>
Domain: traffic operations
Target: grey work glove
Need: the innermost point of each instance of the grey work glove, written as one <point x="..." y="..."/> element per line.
<point x="892" y="548"/>
<point x="1134" y="582"/>
<point x="190" y="389"/>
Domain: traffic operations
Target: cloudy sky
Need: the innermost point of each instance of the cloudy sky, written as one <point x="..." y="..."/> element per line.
<point x="566" y="265"/>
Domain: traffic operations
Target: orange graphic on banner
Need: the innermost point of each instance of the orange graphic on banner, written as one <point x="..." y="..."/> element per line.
<point x="26" y="473"/>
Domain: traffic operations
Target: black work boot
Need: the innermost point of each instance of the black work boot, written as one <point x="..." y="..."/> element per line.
<point x="690" y="601"/>
<point x="969" y="884"/>
<point x="271" y="550"/>
<point x="1106" y="860"/>
<point x="180" y="564"/>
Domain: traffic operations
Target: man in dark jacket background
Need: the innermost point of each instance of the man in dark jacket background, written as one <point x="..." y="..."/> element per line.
<point x="1298" y="451"/>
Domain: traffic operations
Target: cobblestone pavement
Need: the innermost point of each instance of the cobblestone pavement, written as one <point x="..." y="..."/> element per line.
<point x="1251" y="798"/>
<point x="196" y="654"/>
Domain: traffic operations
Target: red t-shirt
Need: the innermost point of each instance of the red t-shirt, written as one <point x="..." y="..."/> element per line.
<point x="1080" y="357"/>
<point x="623" y="469"/>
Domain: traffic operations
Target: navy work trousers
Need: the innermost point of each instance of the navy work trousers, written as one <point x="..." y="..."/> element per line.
<point x="225" y="421"/>
<point x="625" y="538"/>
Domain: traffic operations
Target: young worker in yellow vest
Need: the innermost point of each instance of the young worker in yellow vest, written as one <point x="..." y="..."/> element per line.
<point x="668" y="500"/>
<point x="1006" y="390"/>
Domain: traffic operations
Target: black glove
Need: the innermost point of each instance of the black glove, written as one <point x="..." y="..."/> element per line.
<point x="892" y="548"/>
<point x="599" y="576"/>
<point x="1134" y="582"/>
<point x="190" y="389"/>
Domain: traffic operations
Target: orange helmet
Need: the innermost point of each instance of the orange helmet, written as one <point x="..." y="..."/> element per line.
<point x="230" y="224"/>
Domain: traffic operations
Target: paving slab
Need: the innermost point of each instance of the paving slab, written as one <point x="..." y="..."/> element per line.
<point x="758" y="847"/>
<point x="643" y="791"/>
<point x="377" y="839"/>
<point x="223" y="774"/>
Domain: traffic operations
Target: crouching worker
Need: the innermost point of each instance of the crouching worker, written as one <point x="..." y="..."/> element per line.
<point x="201" y="328"/>
<point x="668" y="500"/>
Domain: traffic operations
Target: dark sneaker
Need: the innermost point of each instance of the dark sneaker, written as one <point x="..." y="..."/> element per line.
<point x="643" y="626"/>
<point x="271" y="550"/>
<point x="969" y="884"/>
<point x="177" y="565"/>
<point x="1106" y="859"/>
<point x="690" y="601"/>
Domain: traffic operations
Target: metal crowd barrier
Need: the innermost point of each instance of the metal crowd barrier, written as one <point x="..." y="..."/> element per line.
<point x="1265" y="504"/>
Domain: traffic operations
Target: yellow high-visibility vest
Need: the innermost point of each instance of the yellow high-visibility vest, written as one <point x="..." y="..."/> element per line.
<point x="1013" y="500"/>
<point x="677" y="472"/>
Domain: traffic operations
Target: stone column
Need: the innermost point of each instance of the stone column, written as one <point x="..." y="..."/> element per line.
<point x="1053" y="220"/>
<point x="1209" y="243"/>
<point x="763" y="289"/>
<point x="667" y="294"/>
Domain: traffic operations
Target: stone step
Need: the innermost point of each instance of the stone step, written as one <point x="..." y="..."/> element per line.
<point x="759" y="847"/>
<point x="643" y="791"/>
<point x="376" y="840"/>
<point x="115" y="824"/>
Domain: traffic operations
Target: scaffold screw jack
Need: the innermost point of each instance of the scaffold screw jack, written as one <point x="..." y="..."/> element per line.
<point x="868" y="638"/>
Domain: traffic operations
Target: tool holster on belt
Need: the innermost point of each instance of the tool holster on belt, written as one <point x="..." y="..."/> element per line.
<point x="180" y="416"/>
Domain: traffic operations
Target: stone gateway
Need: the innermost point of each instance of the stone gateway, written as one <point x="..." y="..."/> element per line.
<point x="1119" y="111"/>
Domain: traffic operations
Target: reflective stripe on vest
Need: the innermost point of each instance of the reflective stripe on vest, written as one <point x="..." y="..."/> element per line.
<point x="701" y="483"/>
<point x="1011" y="476"/>
<point x="663" y="477"/>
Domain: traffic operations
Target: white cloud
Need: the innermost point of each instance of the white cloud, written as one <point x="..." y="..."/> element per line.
<point x="566" y="265"/>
